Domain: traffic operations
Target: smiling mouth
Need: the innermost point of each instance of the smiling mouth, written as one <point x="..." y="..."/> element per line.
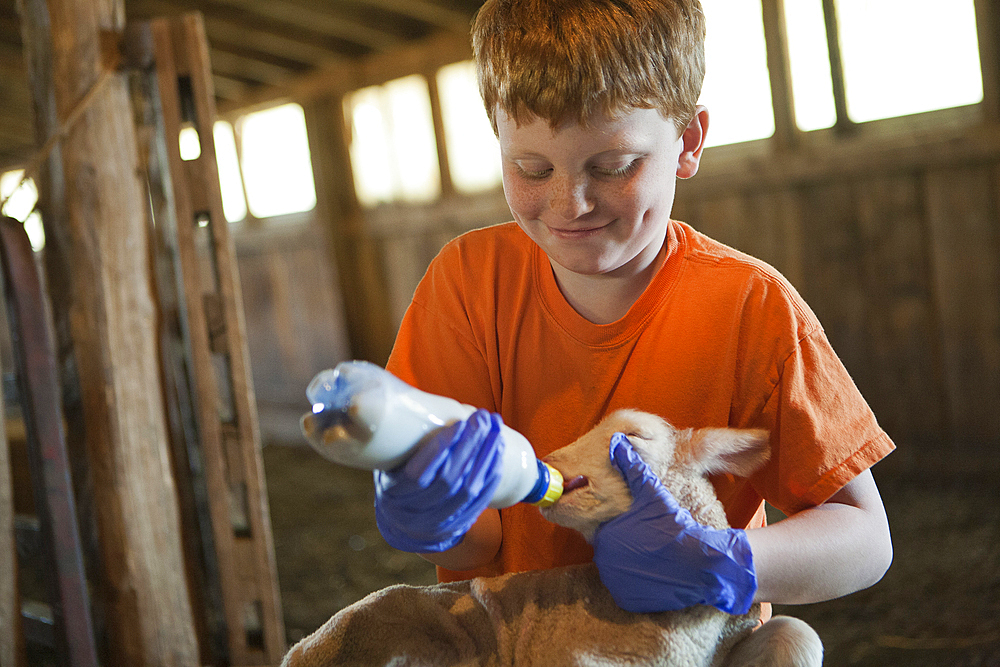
<point x="576" y="231"/>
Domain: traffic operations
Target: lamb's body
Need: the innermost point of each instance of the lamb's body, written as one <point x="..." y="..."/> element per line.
<point x="566" y="616"/>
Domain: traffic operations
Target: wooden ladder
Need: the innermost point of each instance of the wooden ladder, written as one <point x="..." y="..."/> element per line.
<point x="212" y="413"/>
<point x="63" y="621"/>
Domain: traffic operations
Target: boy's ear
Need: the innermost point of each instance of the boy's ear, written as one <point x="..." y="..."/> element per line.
<point x="694" y="142"/>
<point x="740" y="452"/>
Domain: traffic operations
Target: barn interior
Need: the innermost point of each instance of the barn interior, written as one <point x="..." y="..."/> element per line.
<point x="325" y="150"/>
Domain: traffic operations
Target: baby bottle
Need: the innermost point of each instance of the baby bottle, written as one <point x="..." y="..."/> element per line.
<point x="365" y="417"/>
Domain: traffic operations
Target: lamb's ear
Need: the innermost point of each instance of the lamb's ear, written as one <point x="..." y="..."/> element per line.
<point x="740" y="452"/>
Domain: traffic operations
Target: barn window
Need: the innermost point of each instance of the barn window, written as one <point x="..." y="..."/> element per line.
<point x="907" y="56"/>
<point x="809" y="62"/>
<point x="393" y="147"/>
<point x="190" y="144"/>
<point x="736" y="91"/>
<point x="473" y="149"/>
<point x="895" y="57"/>
<point x="21" y="205"/>
<point x="275" y="161"/>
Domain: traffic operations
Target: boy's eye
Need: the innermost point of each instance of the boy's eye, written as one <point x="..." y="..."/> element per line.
<point x="530" y="172"/>
<point x="617" y="171"/>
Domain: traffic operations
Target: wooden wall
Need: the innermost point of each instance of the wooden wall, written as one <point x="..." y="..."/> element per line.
<point x="293" y="308"/>
<point x="896" y="246"/>
<point x="890" y="230"/>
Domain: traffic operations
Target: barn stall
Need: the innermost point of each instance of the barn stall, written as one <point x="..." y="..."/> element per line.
<point x="888" y="227"/>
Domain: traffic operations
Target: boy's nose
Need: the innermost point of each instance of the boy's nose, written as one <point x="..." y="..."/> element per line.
<point x="569" y="199"/>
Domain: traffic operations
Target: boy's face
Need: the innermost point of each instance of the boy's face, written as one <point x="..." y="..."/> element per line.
<point x="597" y="198"/>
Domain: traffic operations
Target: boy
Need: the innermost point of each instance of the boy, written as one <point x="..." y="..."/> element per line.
<point x="593" y="300"/>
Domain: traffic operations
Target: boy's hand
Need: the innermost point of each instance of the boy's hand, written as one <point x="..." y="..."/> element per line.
<point x="656" y="557"/>
<point x="429" y="503"/>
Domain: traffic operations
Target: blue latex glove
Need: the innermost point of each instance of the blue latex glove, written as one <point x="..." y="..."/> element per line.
<point x="430" y="502"/>
<point x="656" y="557"/>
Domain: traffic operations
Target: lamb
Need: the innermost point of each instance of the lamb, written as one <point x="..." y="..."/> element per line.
<point x="565" y="616"/>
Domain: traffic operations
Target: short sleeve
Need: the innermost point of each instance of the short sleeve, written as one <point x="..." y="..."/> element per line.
<point x="823" y="433"/>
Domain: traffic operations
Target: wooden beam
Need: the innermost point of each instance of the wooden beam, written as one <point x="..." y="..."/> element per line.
<point x="782" y="101"/>
<point x="226" y="28"/>
<point x="228" y="88"/>
<point x="305" y="17"/>
<point x="440" y="17"/>
<point x="238" y="14"/>
<point x="988" y="28"/>
<point x="247" y="69"/>
<point x="222" y="31"/>
<point x="844" y="122"/>
<point x="420" y="57"/>
<point x="947" y="137"/>
<point x="15" y="129"/>
<point x="99" y="271"/>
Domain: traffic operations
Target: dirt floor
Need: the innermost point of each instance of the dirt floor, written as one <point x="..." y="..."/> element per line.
<point x="939" y="604"/>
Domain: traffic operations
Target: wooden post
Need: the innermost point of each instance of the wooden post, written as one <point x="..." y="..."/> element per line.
<point x="844" y="122"/>
<point x="102" y="250"/>
<point x="10" y="614"/>
<point x="786" y="131"/>
<point x="988" y="28"/>
<point x="354" y="253"/>
<point x="206" y="295"/>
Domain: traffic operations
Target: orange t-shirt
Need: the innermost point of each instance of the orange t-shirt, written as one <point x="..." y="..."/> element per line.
<point x="717" y="339"/>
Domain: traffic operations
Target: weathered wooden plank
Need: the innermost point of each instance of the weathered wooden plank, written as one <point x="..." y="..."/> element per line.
<point x="225" y="405"/>
<point x="774" y="233"/>
<point x="336" y="79"/>
<point x="908" y="394"/>
<point x="835" y="283"/>
<point x="988" y="29"/>
<point x="721" y="218"/>
<point x="404" y="255"/>
<point x="965" y="251"/>
<point x="62" y="553"/>
<point x="112" y="321"/>
<point x="10" y="613"/>
<point x="779" y="73"/>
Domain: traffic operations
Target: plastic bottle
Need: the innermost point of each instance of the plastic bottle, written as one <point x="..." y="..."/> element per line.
<point x="365" y="417"/>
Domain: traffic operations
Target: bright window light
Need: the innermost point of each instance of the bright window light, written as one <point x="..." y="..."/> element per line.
<point x="473" y="149"/>
<point x="908" y="56"/>
<point x="276" y="163"/>
<point x="370" y="156"/>
<point x="190" y="145"/>
<point x="234" y="203"/>
<point x="393" y="148"/>
<point x="409" y="105"/>
<point x="809" y="58"/>
<point x="21" y="205"/>
<point x="737" y="90"/>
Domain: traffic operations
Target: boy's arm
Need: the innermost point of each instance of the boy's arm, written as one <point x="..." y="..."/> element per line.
<point x="656" y="557"/>
<point x="477" y="548"/>
<point x="824" y="552"/>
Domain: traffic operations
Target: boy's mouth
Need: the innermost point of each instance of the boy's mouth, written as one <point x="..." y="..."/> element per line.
<point x="572" y="232"/>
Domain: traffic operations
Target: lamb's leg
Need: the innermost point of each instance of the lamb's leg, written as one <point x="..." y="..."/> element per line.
<point x="781" y="642"/>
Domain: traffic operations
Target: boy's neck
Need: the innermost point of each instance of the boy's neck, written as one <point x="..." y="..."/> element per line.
<point x="606" y="298"/>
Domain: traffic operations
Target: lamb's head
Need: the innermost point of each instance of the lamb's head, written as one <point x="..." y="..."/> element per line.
<point x="595" y="491"/>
